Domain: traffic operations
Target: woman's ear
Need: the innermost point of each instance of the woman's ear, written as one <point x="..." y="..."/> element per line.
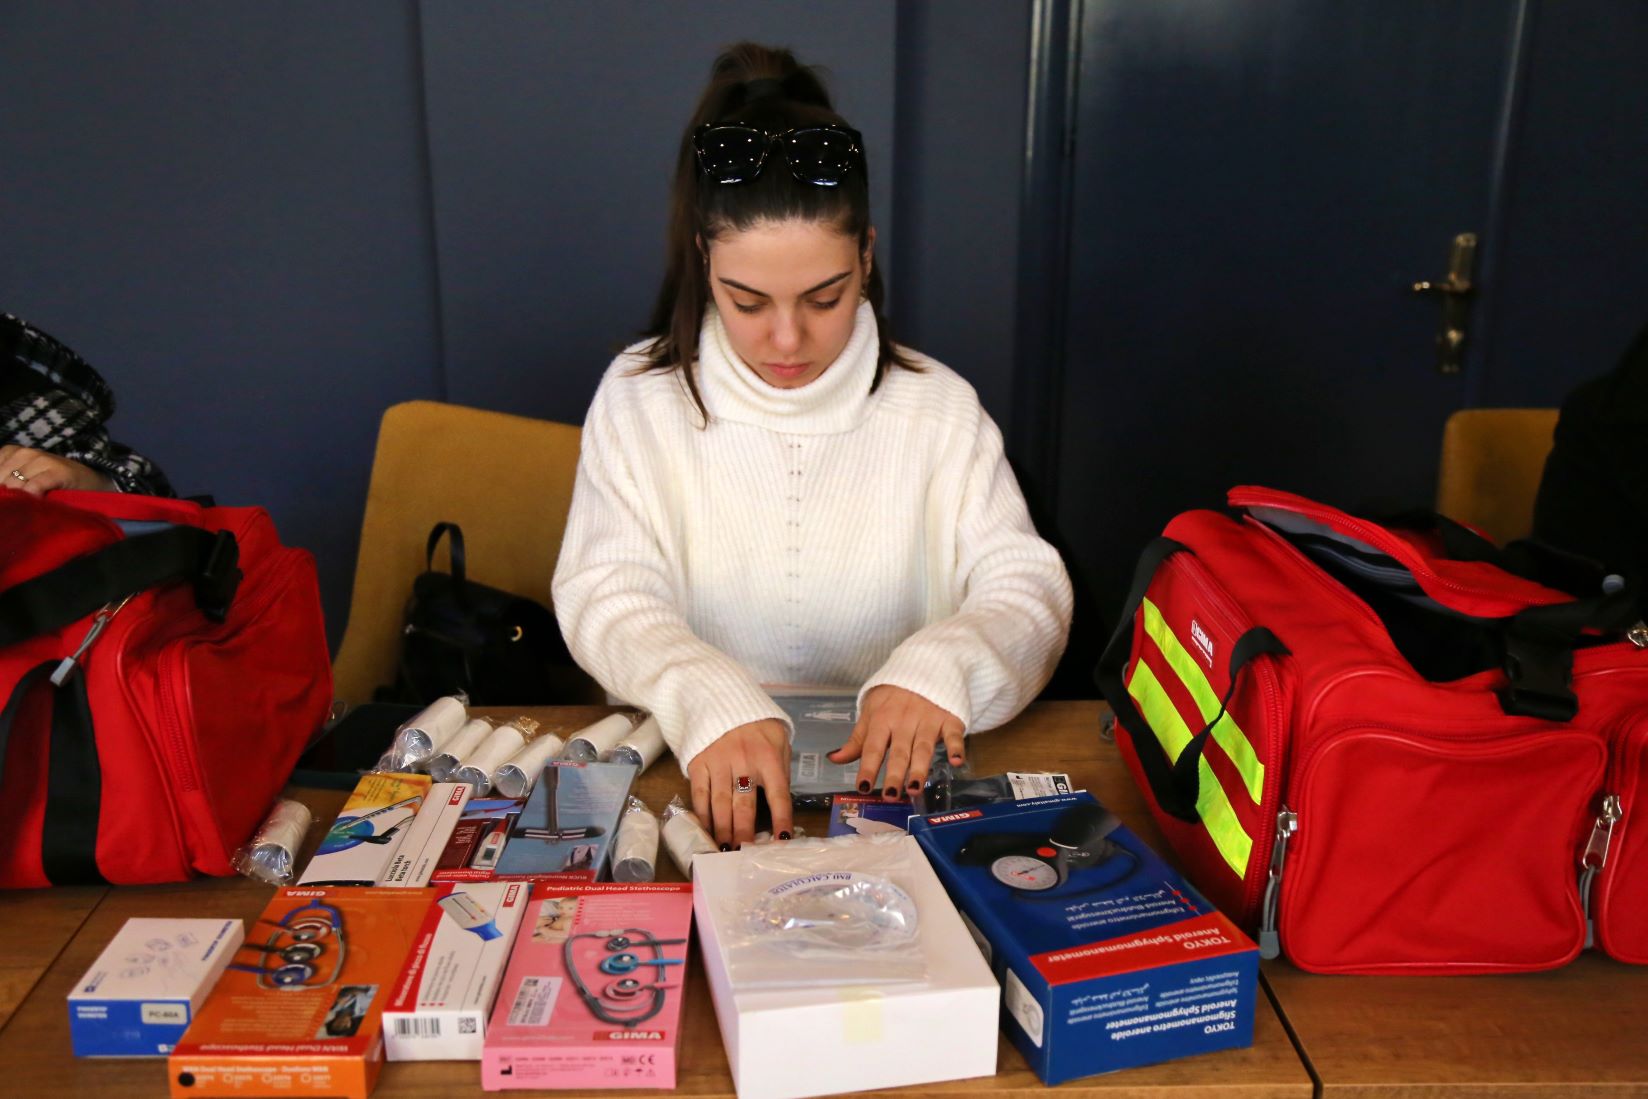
<point x="869" y="250"/>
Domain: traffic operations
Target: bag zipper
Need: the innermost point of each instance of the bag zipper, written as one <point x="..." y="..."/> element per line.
<point x="1596" y="857"/>
<point x="1270" y="937"/>
<point x="100" y="622"/>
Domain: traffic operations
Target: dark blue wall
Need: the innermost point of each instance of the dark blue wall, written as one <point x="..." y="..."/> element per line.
<point x="266" y="223"/>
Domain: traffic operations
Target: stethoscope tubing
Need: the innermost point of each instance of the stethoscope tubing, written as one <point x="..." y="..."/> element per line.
<point x="654" y="992"/>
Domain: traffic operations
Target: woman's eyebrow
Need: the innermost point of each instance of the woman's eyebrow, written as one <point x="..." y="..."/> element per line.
<point x="831" y="281"/>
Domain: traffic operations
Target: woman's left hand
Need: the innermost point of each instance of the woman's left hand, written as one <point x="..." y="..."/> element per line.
<point x="38" y="472"/>
<point x="903" y="728"/>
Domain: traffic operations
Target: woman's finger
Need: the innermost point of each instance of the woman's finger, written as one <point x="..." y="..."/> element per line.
<point x="720" y="821"/>
<point x="955" y="741"/>
<point x="698" y="774"/>
<point x="775" y="779"/>
<point x="743" y="805"/>
<point x="921" y="752"/>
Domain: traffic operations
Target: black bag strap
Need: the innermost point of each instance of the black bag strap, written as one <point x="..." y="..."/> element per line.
<point x="1539" y="651"/>
<point x="455" y="548"/>
<point x="1176" y="783"/>
<point x="74" y="778"/>
<point x="77" y="588"/>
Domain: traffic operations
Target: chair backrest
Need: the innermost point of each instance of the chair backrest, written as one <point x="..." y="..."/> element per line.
<point x="1492" y="460"/>
<point x="506" y="480"/>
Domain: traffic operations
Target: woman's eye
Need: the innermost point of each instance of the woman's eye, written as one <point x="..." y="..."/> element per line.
<point x="742" y="308"/>
<point x="822" y="306"/>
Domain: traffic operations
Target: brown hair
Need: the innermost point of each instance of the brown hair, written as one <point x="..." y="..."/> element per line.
<point x="700" y="211"/>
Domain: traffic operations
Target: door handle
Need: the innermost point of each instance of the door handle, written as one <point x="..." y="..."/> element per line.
<point x="1455" y="292"/>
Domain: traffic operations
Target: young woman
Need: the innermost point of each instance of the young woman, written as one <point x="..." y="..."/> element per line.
<point x="771" y="491"/>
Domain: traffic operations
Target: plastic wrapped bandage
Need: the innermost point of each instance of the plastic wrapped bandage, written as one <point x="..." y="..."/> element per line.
<point x="834" y="912"/>
<point x="589" y="744"/>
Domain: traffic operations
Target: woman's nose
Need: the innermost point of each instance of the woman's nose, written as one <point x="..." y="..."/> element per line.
<point x="786" y="333"/>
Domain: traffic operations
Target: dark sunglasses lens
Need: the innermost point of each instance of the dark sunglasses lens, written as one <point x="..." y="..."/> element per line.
<point x="731" y="154"/>
<point x="823" y="157"/>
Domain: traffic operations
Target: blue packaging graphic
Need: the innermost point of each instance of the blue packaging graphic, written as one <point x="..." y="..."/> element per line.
<point x="1106" y="956"/>
<point x="140" y="995"/>
<point x="567" y="825"/>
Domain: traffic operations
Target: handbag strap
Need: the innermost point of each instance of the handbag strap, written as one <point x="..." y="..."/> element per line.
<point x="74" y="778"/>
<point x="1176" y="783"/>
<point x="79" y="587"/>
<point x="455" y="550"/>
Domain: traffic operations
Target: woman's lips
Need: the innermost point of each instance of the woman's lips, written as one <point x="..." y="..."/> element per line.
<point x="787" y="370"/>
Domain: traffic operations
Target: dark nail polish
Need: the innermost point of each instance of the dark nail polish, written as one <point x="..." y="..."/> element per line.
<point x="915" y="784"/>
<point x="864" y="787"/>
<point x="726" y="847"/>
<point x="783" y="835"/>
<point x="890" y="792"/>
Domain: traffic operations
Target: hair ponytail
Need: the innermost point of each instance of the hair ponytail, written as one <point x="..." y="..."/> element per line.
<point x="767" y="88"/>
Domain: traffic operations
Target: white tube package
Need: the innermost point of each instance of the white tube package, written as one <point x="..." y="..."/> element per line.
<point x="587" y="745"/>
<point x="685" y="836"/>
<point x="635" y="849"/>
<point x="461" y="746"/>
<point x="641" y="746"/>
<point x="271" y="854"/>
<point x="516" y="778"/>
<point x="478" y="767"/>
<point x="834" y="911"/>
<point x="428" y="730"/>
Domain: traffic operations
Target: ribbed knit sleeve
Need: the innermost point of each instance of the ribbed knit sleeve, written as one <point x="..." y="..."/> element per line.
<point x="619" y="612"/>
<point x="988" y="660"/>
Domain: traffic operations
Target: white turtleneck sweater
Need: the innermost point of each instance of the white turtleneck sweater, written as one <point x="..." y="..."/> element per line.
<point x="825" y="535"/>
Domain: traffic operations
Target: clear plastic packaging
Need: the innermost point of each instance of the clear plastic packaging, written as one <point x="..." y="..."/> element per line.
<point x="588" y="744"/>
<point x="455" y="751"/>
<point x="271" y="854"/>
<point x="498" y="748"/>
<point x="635" y="849"/>
<point x="685" y="836"/>
<point x="641" y="746"/>
<point x="824" y="912"/>
<point x="427" y="731"/>
<point x="516" y="778"/>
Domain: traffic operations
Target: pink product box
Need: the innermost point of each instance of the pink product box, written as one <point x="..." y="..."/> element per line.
<point x="592" y="995"/>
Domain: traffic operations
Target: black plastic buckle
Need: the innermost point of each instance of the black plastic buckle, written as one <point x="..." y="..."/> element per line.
<point x="219" y="577"/>
<point x="1541" y="678"/>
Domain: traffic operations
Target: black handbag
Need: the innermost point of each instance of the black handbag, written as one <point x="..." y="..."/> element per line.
<point x="497" y="647"/>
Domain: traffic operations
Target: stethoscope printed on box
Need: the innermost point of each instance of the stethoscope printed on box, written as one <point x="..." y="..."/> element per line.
<point x="628" y="998"/>
<point x="298" y="941"/>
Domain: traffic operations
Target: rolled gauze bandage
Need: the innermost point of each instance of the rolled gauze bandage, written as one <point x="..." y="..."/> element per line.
<point x="685" y="837"/>
<point x="269" y="855"/>
<point x="641" y="746"/>
<point x="479" y="766"/>
<point x="635" y="850"/>
<point x="430" y="728"/>
<point x="516" y="778"/>
<point x="587" y="745"/>
<point x="455" y="751"/>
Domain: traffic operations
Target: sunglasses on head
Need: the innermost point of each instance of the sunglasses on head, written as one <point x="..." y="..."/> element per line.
<point x="820" y="155"/>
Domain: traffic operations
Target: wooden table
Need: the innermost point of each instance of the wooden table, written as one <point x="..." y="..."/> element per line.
<point x="52" y="937"/>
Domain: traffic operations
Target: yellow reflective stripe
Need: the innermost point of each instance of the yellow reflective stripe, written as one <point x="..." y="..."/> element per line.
<point x="1231" y="739"/>
<point x="1212" y="804"/>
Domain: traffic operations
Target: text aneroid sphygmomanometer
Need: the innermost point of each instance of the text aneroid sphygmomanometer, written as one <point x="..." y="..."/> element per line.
<point x="627" y="999"/>
<point x="1037" y="866"/>
<point x="297" y="943"/>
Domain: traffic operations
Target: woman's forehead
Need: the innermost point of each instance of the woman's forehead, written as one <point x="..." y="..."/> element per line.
<point x="792" y="254"/>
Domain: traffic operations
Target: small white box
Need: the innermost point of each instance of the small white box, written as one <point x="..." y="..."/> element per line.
<point x="943" y="1028"/>
<point x="441" y="1000"/>
<point x="141" y="993"/>
<point x="426" y="837"/>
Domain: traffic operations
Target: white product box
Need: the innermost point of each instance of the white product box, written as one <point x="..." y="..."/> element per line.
<point x="139" y="996"/>
<point x="426" y="837"/>
<point x="444" y="994"/>
<point x="943" y="1028"/>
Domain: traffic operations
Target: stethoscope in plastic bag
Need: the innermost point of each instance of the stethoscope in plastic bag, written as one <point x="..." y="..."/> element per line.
<point x="1037" y="867"/>
<point x="305" y="929"/>
<point x="626" y="1000"/>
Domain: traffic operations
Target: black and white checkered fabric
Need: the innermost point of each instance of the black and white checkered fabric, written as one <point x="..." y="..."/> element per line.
<point x="64" y="409"/>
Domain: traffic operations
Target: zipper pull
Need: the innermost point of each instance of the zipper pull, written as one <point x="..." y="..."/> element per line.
<point x="1596" y="849"/>
<point x="100" y="622"/>
<point x="1270" y="939"/>
<point x="1638" y="635"/>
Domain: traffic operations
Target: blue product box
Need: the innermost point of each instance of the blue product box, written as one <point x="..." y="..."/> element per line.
<point x="568" y="822"/>
<point x="866" y="814"/>
<point x="1107" y="957"/>
<point x="140" y="995"/>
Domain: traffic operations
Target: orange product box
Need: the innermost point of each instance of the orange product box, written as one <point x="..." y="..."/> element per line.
<point x="300" y="1009"/>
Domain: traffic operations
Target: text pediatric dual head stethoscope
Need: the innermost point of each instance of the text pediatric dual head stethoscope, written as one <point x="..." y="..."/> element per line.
<point x="298" y="940"/>
<point x="627" y="1000"/>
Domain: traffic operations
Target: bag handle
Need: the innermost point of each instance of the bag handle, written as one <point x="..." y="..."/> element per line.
<point x="1176" y="783"/>
<point x="74" y="779"/>
<point x="79" y="587"/>
<point x="455" y="550"/>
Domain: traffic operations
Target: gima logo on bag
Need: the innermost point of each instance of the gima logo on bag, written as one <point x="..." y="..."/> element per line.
<point x="1203" y="641"/>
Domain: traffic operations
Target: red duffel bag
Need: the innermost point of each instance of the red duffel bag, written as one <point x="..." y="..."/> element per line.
<point x="162" y="665"/>
<point x="1379" y="749"/>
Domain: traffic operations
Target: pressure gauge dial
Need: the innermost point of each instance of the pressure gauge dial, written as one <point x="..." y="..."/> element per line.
<point x="1024" y="872"/>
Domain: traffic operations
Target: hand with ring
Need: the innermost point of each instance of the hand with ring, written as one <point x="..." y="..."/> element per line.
<point x="725" y="775"/>
<point x="37" y="472"/>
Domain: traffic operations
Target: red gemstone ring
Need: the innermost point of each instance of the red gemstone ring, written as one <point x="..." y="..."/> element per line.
<point x="743" y="783"/>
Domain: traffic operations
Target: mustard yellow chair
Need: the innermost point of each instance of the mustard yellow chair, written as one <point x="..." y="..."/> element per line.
<point x="1492" y="459"/>
<point x="506" y="480"/>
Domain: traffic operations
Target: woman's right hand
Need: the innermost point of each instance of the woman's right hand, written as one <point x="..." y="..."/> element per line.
<point x="759" y="755"/>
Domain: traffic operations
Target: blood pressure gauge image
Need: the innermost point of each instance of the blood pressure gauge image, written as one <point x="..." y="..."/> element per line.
<point x="1030" y="863"/>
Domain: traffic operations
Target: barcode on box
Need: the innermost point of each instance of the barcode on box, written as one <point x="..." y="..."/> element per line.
<point x="533" y="1001"/>
<point x="467" y="1024"/>
<point x="417" y="1028"/>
